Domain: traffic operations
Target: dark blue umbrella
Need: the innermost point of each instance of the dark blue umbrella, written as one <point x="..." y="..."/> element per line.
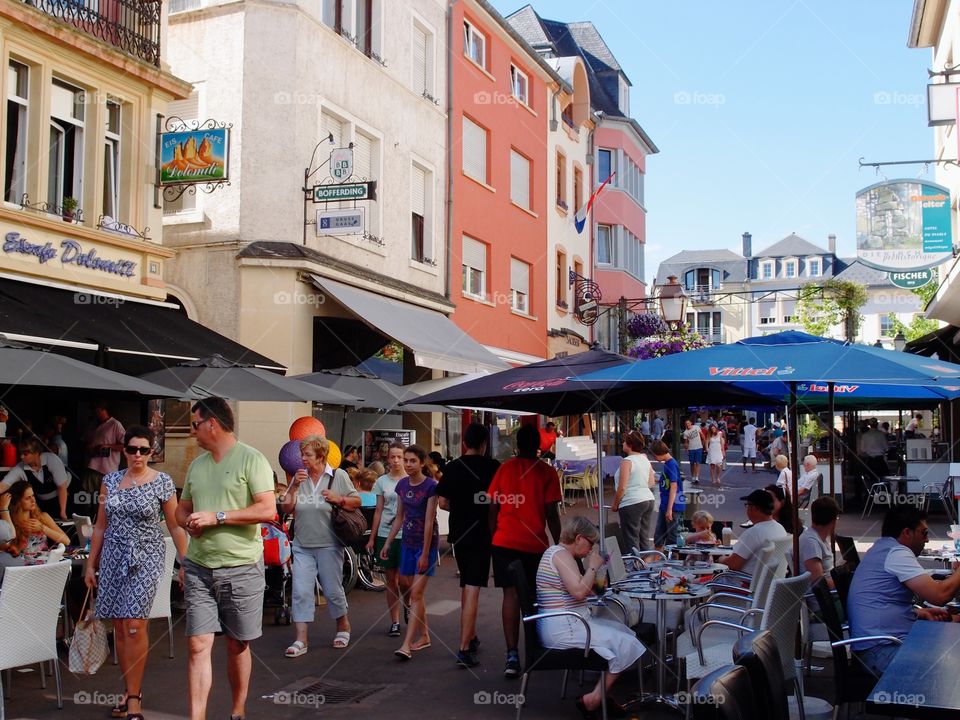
<point x="553" y="387"/>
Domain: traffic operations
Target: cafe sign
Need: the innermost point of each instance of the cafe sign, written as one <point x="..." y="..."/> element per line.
<point x="911" y="280"/>
<point x="188" y="157"/>
<point x="69" y="253"/>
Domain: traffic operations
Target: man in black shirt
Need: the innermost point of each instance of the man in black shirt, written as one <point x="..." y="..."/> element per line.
<point x="463" y="491"/>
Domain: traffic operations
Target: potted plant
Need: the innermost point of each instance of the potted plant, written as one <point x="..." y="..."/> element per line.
<point x="69" y="208"/>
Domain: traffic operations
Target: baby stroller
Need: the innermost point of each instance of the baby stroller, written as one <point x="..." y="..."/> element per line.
<point x="277" y="563"/>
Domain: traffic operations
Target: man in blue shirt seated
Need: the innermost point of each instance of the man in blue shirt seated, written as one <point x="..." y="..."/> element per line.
<point x="881" y="600"/>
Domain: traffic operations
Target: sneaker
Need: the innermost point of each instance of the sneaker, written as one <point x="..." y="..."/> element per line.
<point x="474" y="646"/>
<point x="394" y="630"/>
<point x="467" y="659"/>
<point x="512" y="667"/>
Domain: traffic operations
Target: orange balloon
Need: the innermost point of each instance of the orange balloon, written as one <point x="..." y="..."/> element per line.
<point x="304" y="426"/>
<point x="334" y="456"/>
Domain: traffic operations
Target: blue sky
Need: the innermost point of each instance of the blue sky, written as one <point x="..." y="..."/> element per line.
<point x="761" y="110"/>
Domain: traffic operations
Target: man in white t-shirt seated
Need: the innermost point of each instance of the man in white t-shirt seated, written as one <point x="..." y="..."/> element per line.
<point x="808" y="482"/>
<point x="764" y="530"/>
<point x="881" y="600"/>
<point x="815" y="553"/>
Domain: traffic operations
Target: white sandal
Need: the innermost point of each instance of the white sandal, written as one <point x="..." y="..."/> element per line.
<point x="296" y="649"/>
<point x="341" y="640"/>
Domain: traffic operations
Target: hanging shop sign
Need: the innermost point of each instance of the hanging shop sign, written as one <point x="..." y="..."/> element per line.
<point x="912" y="279"/>
<point x="340" y="222"/>
<point x="345" y="191"/>
<point x="194" y="156"/>
<point x="70" y="253"/>
<point x="586" y="308"/>
<point x="904" y="225"/>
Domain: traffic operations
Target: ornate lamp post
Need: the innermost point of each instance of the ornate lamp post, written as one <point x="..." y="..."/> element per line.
<point x="673" y="301"/>
<point x="899" y="341"/>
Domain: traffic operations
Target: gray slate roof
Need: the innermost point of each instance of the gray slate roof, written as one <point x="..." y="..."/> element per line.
<point x="856" y="271"/>
<point x="792" y="246"/>
<point x="734" y="266"/>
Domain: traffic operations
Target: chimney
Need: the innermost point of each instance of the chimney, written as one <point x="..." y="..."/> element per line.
<point x="832" y="243"/>
<point x="747" y="245"/>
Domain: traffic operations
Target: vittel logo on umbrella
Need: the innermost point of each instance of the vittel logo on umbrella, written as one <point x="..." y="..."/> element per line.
<point x="522" y="386"/>
<point x="743" y="371"/>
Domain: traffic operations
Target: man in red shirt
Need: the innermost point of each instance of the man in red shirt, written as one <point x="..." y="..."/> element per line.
<point x="524" y="498"/>
<point x="548" y="439"/>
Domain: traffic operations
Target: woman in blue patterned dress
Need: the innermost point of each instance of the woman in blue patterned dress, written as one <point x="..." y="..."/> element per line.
<point x="128" y="548"/>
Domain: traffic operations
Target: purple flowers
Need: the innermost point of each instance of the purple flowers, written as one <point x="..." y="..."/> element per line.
<point x="645" y="325"/>
<point x="666" y="342"/>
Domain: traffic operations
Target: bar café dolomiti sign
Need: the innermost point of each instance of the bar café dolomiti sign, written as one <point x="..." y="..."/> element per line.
<point x="69" y="253"/>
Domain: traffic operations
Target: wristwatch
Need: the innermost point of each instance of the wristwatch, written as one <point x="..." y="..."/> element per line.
<point x="221" y="517"/>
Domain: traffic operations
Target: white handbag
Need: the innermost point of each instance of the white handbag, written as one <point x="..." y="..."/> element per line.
<point x="88" y="647"/>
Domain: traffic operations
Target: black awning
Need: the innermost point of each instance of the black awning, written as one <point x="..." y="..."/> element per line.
<point x="131" y="336"/>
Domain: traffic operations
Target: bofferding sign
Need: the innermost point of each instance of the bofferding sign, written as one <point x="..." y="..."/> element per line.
<point x="904" y="225"/>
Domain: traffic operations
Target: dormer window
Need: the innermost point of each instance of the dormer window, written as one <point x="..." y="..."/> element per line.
<point x="766" y="271"/>
<point x="701" y="280"/>
<point x="790" y="268"/>
<point x="813" y="267"/>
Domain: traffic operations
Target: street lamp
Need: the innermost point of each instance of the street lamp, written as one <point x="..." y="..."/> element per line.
<point x="673" y="301"/>
<point x="899" y="341"/>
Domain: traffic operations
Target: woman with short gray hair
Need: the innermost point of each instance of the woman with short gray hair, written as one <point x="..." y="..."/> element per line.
<point x="561" y="586"/>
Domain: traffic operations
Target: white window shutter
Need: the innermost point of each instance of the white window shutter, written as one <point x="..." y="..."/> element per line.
<point x="474" y="254"/>
<point x="188" y="109"/>
<point x="474" y="150"/>
<point x="418" y="191"/>
<point x="420" y="65"/>
<point x="331" y="125"/>
<point x="519" y="179"/>
<point x="363" y="157"/>
<point x="519" y="276"/>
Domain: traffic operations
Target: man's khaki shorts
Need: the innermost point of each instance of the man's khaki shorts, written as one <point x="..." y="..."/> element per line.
<point x="225" y="600"/>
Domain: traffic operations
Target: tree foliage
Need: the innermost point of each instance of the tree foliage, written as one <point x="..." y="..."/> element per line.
<point x="919" y="325"/>
<point x="835" y="302"/>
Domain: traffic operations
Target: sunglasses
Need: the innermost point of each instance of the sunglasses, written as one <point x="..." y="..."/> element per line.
<point x="135" y="449"/>
<point x="197" y="423"/>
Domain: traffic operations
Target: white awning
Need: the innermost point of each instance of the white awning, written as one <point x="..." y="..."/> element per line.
<point x="435" y="341"/>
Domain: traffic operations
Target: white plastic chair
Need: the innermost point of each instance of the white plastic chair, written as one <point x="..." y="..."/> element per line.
<point x="161" y="600"/>
<point x="29" y="612"/>
<point x="56" y="555"/>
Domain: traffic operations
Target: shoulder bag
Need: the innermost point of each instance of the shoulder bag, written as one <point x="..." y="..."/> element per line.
<point x="348" y="525"/>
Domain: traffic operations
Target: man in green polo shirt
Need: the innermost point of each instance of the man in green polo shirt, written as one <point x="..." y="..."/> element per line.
<point x="227" y="494"/>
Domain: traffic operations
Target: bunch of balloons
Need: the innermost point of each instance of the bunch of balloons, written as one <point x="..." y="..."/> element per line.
<point x="290" y="452"/>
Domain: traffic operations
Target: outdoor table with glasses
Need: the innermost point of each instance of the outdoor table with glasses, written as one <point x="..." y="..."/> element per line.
<point x="658" y="581"/>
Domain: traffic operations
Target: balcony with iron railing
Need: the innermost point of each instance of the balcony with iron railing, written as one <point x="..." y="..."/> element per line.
<point x="132" y="26"/>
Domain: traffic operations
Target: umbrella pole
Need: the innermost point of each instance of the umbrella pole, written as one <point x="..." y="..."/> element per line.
<point x="602" y="513"/>
<point x="794" y="465"/>
<point x="833" y="443"/>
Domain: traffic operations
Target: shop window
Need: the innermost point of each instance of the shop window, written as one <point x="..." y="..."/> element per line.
<point x="474" y="44"/>
<point x="111" y="161"/>
<point x="65" y="171"/>
<point x="520" y="286"/>
<point x="474" y="268"/>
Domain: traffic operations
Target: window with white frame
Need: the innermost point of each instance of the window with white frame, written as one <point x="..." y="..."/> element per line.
<point x="336" y="131"/>
<point x="605" y="255"/>
<point x="424" y="50"/>
<point x="421" y="204"/>
<point x="15" y="158"/>
<point x="186" y="205"/>
<point x="767" y="311"/>
<point x="474" y="150"/>
<point x="766" y="271"/>
<point x="790" y="311"/>
<point x="562" y="181"/>
<point x="519" y="84"/>
<point x="887" y="325"/>
<point x="520" y="180"/>
<point x="332" y="14"/>
<point x="790" y="269"/>
<point x="65" y="172"/>
<point x="520" y="286"/>
<point x="474" y="268"/>
<point x="813" y="267"/>
<point x="474" y="44"/>
<point x="363" y="29"/>
<point x="111" y="161"/>
<point x="606" y="164"/>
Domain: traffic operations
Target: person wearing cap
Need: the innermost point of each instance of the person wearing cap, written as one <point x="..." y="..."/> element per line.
<point x="765" y="529"/>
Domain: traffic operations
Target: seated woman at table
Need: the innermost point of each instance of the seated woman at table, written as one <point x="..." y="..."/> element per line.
<point x="560" y="586"/>
<point x="36" y="532"/>
<point x="9" y="550"/>
<point x="46" y="473"/>
<point x="702" y="523"/>
<point x="782" y="508"/>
